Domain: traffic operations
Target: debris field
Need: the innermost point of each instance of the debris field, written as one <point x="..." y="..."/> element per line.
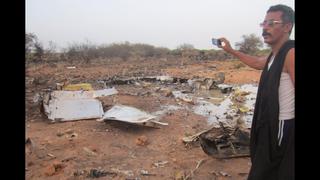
<point x="146" y="120"/>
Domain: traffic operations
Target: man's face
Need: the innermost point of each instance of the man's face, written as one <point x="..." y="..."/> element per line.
<point x="274" y="28"/>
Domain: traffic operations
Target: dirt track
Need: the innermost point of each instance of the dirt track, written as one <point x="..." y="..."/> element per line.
<point x="63" y="150"/>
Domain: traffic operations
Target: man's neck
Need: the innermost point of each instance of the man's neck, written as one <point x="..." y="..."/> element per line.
<point x="276" y="47"/>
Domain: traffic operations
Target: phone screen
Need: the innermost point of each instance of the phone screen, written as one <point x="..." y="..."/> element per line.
<point x="216" y="42"/>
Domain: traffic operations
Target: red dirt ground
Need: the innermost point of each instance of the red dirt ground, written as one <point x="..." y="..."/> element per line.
<point x="54" y="154"/>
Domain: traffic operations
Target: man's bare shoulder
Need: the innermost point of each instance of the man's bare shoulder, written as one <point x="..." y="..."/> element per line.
<point x="289" y="61"/>
<point x="289" y="64"/>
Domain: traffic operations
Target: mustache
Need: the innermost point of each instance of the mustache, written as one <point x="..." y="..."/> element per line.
<point x="264" y="33"/>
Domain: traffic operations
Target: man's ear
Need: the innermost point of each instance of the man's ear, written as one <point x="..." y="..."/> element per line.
<point x="288" y="27"/>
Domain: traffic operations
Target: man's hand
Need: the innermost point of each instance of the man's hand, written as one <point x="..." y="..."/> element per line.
<point x="252" y="61"/>
<point x="227" y="47"/>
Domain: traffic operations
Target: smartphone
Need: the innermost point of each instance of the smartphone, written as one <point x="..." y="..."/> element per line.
<point x="216" y="42"/>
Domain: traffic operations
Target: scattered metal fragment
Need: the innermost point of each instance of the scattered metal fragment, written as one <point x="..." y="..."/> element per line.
<point x="125" y="172"/>
<point x="146" y="173"/>
<point x="131" y="115"/>
<point x="226" y="142"/>
<point x="160" y="163"/>
<point x="97" y="173"/>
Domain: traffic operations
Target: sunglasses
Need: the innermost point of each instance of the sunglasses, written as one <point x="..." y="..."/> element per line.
<point x="270" y="23"/>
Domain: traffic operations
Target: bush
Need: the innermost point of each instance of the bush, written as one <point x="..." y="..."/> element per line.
<point x="250" y="44"/>
<point x="264" y="52"/>
<point x="121" y="50"/>
<point x="82" y="52"/>
<point x="185" y="46"/>
<point x="33" y="48"/>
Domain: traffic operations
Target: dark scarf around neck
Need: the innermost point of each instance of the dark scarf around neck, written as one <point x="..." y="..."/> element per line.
<point x="266" y="112"/>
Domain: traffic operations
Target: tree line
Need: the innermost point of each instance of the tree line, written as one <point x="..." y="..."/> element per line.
<point x="86" y="51"/>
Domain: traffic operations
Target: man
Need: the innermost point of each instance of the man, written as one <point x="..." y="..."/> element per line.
<point x="272" y="132"/>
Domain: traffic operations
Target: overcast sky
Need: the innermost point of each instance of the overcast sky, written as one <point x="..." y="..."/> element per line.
<point x="165" y="23"/>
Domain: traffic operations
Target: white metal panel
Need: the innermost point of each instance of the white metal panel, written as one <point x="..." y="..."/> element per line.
<point x="127" y="114"/>
<point x="74" y="109"/>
